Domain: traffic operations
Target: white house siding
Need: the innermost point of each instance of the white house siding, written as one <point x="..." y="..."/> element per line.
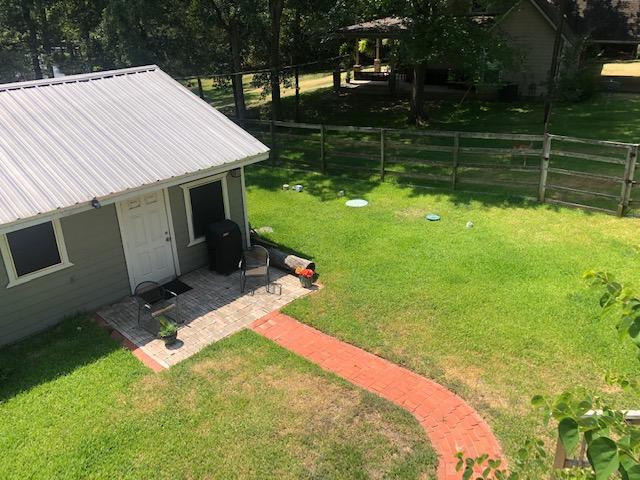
<point x="533" y="38"/>
<point x="98" y="276"/>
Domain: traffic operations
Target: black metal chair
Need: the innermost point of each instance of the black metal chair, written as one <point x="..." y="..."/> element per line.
<point x="254" y="263"/>
<point x="153" y="301"/>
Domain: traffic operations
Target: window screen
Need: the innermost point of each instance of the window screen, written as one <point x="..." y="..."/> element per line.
<point x="33" y="248"/>
<point x="207" y="206"/>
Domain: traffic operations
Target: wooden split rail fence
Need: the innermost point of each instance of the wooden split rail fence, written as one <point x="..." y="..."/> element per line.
<point x="591" y="174"/>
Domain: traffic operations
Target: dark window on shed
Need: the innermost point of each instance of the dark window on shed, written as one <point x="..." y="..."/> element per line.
<point x="34" y="248"/>
<point x="207" y="206"/>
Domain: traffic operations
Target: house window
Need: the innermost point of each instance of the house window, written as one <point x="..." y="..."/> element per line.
<point x="206" y="202"/>
<point x="33" y="252"/>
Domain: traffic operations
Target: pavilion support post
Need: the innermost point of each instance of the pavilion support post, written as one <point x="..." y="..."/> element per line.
<point x="377" y="65"/>
<point x="357" y="67"/>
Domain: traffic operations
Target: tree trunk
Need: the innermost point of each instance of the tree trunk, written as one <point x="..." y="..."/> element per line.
<point x="275" y="12"/>
<point x="32" y="39"/>
<point x="418" y="114"/>
<point x="236" y="79"/>
<point x="555" y="65"/>
<point x="46" y="39"/>
<point x="297" y="74"/>
<point x="297" y="37"/>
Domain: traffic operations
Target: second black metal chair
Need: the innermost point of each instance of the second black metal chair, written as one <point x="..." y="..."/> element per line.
<point x="254" y="263"/>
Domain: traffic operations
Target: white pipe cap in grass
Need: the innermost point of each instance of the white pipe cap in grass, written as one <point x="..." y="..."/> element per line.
<point x="356" y="203"/>
<point x="432" y="217"/>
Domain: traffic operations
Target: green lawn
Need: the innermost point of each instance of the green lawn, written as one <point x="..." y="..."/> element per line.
<point x="75" y="405"/>
<point x="497" y="312"/>
<point x="412" y="159"/>
<point x="220" y="93"/>
<point x="605" y="116"/>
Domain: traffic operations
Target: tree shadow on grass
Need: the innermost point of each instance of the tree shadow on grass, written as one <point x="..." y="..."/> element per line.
<point x="71" y="344"/>
<point x="327" y="188"/>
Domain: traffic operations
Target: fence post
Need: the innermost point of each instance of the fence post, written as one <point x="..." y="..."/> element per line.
<point x="200" y="91"/>
<point x="382" y="153"/>
<point x="456" y="159"/>
<point x="544" y="167"/>
<point x="323" y="163"/>
<point x="274" y="149"/>
<point x="627" y="180"/>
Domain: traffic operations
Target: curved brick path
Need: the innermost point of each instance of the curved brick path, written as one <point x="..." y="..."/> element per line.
<point x="450" y="423"/>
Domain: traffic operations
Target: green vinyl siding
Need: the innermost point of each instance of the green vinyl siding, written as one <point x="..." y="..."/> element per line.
<point x="99" y="273"/>
<point x="98" y="276"/>
<point x="195" y="256"/>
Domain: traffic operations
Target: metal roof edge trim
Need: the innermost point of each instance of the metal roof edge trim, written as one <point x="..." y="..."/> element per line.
<point x="123" y="195"/>
<point x="77" y="78"/>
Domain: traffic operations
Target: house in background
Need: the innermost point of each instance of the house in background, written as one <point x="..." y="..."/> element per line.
<point x="530" y="25"/>
<point x="107" y="180"/>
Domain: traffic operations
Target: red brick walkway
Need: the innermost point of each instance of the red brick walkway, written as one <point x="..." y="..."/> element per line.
<point x="450" y="423"/>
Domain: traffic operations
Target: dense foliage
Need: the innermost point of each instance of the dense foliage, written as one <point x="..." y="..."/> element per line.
<point x="601" y="440"/>
<point x="184" y="37"/>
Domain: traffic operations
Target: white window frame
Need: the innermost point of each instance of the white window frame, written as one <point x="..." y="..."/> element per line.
<point x="5" y="250"/>
<point x="186" y="188"/>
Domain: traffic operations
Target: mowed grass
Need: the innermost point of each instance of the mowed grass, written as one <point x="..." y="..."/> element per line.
<point x="606" y="116"/>
<point x="76" y="405"/>
<point x="220" y="93"/>
<point x="497" y="312"/>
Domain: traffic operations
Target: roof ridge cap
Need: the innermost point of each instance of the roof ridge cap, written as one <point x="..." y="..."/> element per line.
<point x="81" y="77"/>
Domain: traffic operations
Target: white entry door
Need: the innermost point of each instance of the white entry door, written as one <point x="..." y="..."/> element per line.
<point x="147" y="240"/>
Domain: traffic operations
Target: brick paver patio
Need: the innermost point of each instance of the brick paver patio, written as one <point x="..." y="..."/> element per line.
<point x="451" y="424"/>
<point x="212" y="310"/>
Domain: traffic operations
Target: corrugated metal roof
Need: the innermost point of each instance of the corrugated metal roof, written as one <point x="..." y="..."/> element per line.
<point x="65" y="141"/>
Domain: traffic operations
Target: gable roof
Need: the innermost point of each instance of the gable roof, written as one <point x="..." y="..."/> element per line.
<point x="551" y="13"/>
<point x="389" y="26"/>
<point x="394" y="27"/>
<point x="66" y="141"/>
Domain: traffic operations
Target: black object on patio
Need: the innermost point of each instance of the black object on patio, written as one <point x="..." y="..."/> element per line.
<point x="177" y="287"/>
<point x="154" y="301"/>
<point x="224" y="246"/>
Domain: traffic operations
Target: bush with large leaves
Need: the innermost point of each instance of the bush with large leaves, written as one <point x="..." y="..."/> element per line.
<point x="584" y="420"/>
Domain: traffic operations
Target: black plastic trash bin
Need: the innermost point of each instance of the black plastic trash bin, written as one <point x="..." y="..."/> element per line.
<point x="224" y="246"/>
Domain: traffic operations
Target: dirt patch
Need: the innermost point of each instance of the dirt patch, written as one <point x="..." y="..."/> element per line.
<point x="410" y="212"/>
<point x="210" y="367"/>
<point x="147" y="395"/>
<point x="321" y="411"/>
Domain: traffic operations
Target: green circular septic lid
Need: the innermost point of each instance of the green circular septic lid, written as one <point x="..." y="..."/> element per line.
<point x="432" y="217"/>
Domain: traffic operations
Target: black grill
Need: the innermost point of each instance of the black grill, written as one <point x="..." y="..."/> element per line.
<point x="224" y="246"/>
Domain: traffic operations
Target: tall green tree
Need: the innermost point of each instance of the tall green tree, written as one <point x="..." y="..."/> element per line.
<point x="14" y="57"/>
<point x="443" y="32"/>
<point x="275" y="17"/>
<point x="234" y="18"/>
